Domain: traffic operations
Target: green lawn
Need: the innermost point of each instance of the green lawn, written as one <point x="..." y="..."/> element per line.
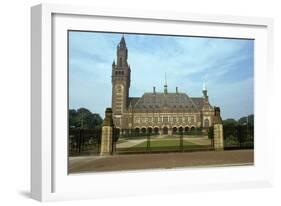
<point x="166" y="136"/>
<point x="163" y="145"/>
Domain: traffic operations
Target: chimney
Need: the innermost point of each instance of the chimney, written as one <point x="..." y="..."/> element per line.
<point x="177" y="90"/>
<point x="154" y="90"/>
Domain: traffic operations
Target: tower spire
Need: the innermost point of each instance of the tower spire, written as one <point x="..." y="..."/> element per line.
<point x="165" y="86"/>
<point x="122" y="43"/>
<point x="204" y="90"/>
<point x="204" y="86"/>
<point x="122" y="53"/>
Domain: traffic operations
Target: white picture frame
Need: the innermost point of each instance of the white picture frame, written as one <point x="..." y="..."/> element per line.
<point x="49" y="179"/>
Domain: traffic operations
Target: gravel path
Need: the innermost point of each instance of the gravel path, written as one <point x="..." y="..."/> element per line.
<point x="164" y="160"/>
<point x="130" y="143"/>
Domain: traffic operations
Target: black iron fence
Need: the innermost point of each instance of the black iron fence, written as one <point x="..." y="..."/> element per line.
<point x="135" y="133"/>
<point x="238" y="136"/>
<point x="88" y="141"/>
<point x="134" y="141"/>
<point x="129" y="141"/>
<point x="84" y="141"/>
<point x="197" y="131"/>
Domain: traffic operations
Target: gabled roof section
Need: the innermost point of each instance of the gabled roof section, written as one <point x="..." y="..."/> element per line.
<point x="133" y="101"/>
<point x="171" y="101"/>
<point x="198" y="101"/>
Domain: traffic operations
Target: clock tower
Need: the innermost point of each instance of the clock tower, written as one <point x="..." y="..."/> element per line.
<point x="121" y="75"/>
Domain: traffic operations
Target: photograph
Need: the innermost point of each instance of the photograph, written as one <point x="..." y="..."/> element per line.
<point x="155" y="101"/>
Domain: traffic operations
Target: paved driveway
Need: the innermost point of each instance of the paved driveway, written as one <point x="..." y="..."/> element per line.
<point x="154" y="161"/>
<point x="130" y="143"/>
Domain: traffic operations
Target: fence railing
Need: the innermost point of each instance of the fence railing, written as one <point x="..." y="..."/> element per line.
<point x="238" y="136"/>
<point x="84" y="141"/>
<point x="131" y="141"/>
<point x="135" y="133"/>
<point x="87" y="141"/>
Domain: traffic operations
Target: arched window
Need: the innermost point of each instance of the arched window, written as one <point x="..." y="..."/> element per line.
<point x="175" y="130"/>
<point x="156" y="130"/>
<point x="165" y="130"/>
<point x="180" y="129"/>
<point x="137" y="131"/>
<point x="143" y="130"/>
<point x="206" y="123"/>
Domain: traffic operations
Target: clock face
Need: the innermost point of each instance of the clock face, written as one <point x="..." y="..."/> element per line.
<point x="118" y="89"/>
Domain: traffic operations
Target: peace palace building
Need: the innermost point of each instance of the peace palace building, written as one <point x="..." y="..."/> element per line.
<point x="157" y="112"/>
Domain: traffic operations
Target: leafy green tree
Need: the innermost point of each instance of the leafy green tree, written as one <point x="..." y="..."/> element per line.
<point x="247" y="120"/>
<point x="251" y="120"/>
<point x="239" y="132"/>
<point x="84" y="118"/>
<point x="230" y="122"/>
<point x="242" y="120"/>
<point x="72" y="118"/>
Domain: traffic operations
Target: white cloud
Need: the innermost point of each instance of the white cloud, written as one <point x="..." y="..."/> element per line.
<point x="187" y="61"/>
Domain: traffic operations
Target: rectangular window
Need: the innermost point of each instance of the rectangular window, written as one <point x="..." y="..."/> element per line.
<point x="170" y="119"/>
<point x="180" y="119"/>
<point x="192" y="119"/>
<point x="137" y="120"/>
<point x="198" y="118"/>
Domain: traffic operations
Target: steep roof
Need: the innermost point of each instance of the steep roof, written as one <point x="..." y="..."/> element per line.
<point x="133" y="101"/>
<point x="198" y="101"/>
<point x="170" y="101"/>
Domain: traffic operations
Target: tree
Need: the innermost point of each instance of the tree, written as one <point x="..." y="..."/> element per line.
<point x="72" y="118"/>
<point x="247" y="120"/>
<point x="230" y="122"/>
<point x="251" y="120"/>
<point x="241" y="131"/>
<point x="84" y="118"/>
<point x="243" y="120"/>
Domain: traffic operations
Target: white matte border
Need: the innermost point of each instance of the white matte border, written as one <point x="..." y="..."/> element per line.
<point x="56" y="184"/>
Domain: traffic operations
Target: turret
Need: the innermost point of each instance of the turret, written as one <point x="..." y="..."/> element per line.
<point x="122" y="53"/>
<point x="166" y="85"/>
<point x="205" y="92"/>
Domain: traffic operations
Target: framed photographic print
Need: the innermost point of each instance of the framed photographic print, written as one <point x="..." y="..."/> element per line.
<point x="135" y="102"/>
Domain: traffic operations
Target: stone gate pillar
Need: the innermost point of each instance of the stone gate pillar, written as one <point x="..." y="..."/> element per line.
<point x="107" y="133"/>
<point x="218" y="130"/>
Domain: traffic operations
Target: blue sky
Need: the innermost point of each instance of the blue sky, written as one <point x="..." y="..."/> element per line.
<point x="226" y="65"/>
